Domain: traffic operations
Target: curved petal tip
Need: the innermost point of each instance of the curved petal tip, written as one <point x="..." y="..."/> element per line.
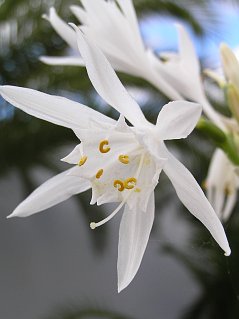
<point x="227" y="252"/>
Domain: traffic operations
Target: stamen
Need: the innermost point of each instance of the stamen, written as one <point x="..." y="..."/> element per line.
<point x="130" y="183"/>
<point x="103" y="148"/>
<point x="93" y="225"/>
<point x="82" y="160"/>
<point x="124" y="159"/>
<point x="119" y="185"/>
<point x="99" y="173"/>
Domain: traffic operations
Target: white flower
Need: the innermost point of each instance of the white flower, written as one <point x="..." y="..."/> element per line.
<point x="182" y="71"/>
<point x="113" y="26"/>
<point x="222" y="184"/>
<point x="120" y="163"/>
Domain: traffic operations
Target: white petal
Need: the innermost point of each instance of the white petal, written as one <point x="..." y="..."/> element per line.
<point x="191" y="195"/>
<point x="62" y="28"/>
<point x="177" y="119"/>
<point x="80" y="14"/>
<point x="106" y="82"/>
<point x="134" y="234"/>
<point x="230" y="203"/>
<point x="187" y="52"/>
<point x="52" y="60"/>
<point x="74" y="156"/>
<point x="55" y="190"/>
<point x="55" y="109"/>
<point x="129" y="11"/>
<point x="219" y="198"/>
<point x="159" y="77"/>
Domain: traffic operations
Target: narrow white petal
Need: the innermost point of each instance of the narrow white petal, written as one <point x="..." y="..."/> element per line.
<point x="74" y="156"/>
<point x="62" y="28"/>
<point x="55" y="109"/>
<point x="55" y="190"/>
<point x="191" y="195"/>
<point x="52" y="60"/>
<point x="230" y="203"/>
<point x="129" y="12"/>
<point x="187" y="51"/>
<point x="80" y="14"/>
<point x="159" y="78"/>
<point x="177" y="119"/>
<point x="106" y="82"/>
<point x="219" y="198"/>
<point x="134" y="234"/>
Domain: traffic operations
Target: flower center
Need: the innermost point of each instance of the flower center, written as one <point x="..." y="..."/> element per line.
<point x="129" y="184"/>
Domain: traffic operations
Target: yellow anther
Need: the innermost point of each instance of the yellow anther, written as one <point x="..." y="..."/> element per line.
<point x="99" y="173"/>
<point x="130" y="183"/>
<point x="137" y="190"/>
<point x="82" y="160"/>
<point x="103" y="148"/>
<point x="119" y="185"/>
<point x="124" y="159"/>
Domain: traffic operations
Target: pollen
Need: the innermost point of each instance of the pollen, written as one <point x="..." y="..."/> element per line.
<point x="99" y="173"/>
<point x="124" y="159"/>
<point x="103" y="148"/>
<point x="130" y="183"/>
<point x="119" y="185"/>
<point x="82" y="160"/>
<point x="137" y="190"/>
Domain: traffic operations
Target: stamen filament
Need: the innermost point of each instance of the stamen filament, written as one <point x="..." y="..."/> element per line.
<point x="93" y="225"/>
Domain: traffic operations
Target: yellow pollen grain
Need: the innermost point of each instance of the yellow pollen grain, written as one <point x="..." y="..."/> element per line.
<point x="82" y="160"/>
<point x="124" y="159"/>
<point x="119" y="185"/>
<point x="103" y="148"/>
<point x="137" y="190"/>
<point x="99" y="173"/>
<point x="130" y="183"/>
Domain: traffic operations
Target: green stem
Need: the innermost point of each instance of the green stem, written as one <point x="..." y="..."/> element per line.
<point x="222" y="140"/>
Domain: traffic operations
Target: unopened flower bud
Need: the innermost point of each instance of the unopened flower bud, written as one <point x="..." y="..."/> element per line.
<point x="232" y="94"/>
<point x="230" y="65"/>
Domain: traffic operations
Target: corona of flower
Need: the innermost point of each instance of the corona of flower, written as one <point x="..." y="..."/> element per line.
<point x="121" y="163"/>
